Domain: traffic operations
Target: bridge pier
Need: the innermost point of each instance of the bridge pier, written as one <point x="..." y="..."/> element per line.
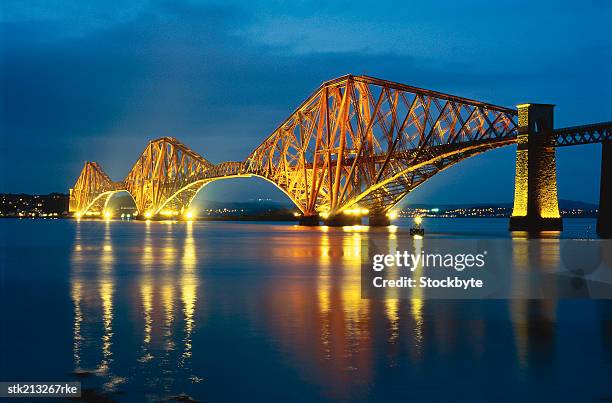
<point x="309" y="220"/>
<point x="379" y="220"/>
<point x="342" y="219"/>
<point x="604" y="216"/>
<point x="536" y="206"/>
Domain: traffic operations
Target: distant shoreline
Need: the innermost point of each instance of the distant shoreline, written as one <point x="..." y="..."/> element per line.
<point x="55" y="205"/>
<point x="252" y="219"/>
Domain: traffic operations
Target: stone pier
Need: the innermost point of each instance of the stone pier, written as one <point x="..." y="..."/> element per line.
<point x="342" y="219"/>
<point x="379" y="220"/>
<point x="309" y="220"/>
<point x="536" y="206"/>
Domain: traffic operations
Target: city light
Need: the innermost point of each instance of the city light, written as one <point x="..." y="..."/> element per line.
<point x="189" y="215"/>
<point x="107" y="215"/>
<point x="148" y="214"/>
<point x="418" y="220"/>
<point x="392" y="215"/>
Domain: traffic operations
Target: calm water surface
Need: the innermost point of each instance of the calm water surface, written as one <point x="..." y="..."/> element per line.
<point x="223" y="311"/>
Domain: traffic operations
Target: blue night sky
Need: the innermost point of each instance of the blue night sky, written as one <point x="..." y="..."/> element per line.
<point x="97" y="80"/>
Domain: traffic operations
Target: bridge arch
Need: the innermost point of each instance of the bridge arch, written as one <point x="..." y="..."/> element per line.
<point x="162" y="173"/>
<point x="362" y="140"/>
<point x="180" y="202"/>
<point x="355" y="140"/>
<point x="98" y="207"/>
<point x="382" y="197"/>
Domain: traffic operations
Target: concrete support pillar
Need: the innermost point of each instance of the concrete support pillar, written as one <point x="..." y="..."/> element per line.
<point x="379" y="220"/>
<point x="536" y="206"/>
<point x="604" y="217"/>
<point x="309" y="220"/>
<point x="341" y="220"/>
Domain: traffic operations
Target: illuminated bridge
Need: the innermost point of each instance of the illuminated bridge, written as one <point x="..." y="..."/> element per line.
<point x="357" y="145"/>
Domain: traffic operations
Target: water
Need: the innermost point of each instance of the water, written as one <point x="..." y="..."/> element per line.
<point x="222" y="311"/>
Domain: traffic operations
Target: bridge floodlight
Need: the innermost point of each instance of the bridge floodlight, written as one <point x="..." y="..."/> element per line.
<point x="392" y="215"/>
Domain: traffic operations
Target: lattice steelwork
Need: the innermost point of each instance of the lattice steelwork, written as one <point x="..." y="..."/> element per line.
<point x="356" y="141"/>
<point x="92" y="189"/>
<point x="587" y="134"/>
<point x="363" y="140"/>
<point x="166" y="176"/>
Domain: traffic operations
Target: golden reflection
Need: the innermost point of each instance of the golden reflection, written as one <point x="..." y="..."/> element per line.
<point x="147" y="255"/>
<point x="392" y="295"/>
<point x="323" y="279"/>
<point x="355" y="228"/>
<point x="106" y="295"/>
<point x="167" y="288"/>
<point x="167" y="273"/>
<point x="416" y="303"/>
<point x="146" y="292"/>
<point x="167" y="297"/>
<point x="324" y="293"/>
<point x="92" y="292"/>
<point x="106" y="290"/>
<point x="333" y="333"/>
<point x="189" y="260"/>
<point x="354" y="306"/>
<point x="188" y="297"/>
<point x="532" y="257"/>
<point x="77" y="295"/>
<point x="518" y="306"/>
<point x="189" y="290"/>
<point x="351" y="251"/>
<point x="169" y="254"/>
<point x="107" y="248"/>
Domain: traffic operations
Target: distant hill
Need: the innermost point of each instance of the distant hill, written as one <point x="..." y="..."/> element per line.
<point x="265" y="204"/>
<point x="570" y="204"/>
<point x="250" y="205"/>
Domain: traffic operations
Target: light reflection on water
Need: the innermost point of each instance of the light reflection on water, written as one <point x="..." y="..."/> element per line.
<point x="230" y="311"/>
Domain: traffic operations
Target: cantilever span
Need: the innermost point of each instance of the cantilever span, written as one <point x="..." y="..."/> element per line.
<point x="355" y="141"/>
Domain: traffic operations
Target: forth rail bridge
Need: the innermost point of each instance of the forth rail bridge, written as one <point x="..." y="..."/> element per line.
<point x="356" y="147"/>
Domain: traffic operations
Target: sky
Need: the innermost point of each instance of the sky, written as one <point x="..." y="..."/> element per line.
<point x="97" y="80"/>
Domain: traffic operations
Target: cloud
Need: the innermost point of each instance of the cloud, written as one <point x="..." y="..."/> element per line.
<point x="97" y="83"/>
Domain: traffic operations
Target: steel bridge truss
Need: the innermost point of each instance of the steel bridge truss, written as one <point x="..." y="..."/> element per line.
<point x="356" y="141"/>
<point x="587" y="134"/>
<point x="368" y="141"/>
